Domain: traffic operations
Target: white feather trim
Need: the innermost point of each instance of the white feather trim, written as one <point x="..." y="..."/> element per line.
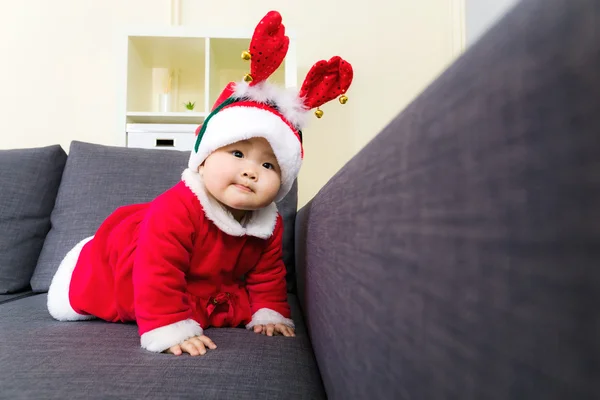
<point x="266" y="316"/>
<point x="58" y="293"/>
<point x="160" y="339"/>
<point x="287" y="100"/>
<point x="237" y="123"/>
<point x="261" y="224"/>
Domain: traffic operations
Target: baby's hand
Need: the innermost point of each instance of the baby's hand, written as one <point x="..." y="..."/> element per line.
<point x="194" y="346"/>
<point x="271" y="329"/>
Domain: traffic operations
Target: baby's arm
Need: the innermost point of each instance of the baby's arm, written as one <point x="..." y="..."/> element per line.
<point x="162" y="305"/>
<point x="267" y="290"/>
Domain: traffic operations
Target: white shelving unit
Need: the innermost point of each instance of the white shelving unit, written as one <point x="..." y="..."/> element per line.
<point x="165" y="117"/>
<point x="200" y="64"/>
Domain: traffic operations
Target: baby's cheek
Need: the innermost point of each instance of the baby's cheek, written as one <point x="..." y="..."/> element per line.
<point x="218" y="176"/>
<point x="273" y="188"/>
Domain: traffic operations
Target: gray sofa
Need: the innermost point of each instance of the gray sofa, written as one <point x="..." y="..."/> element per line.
<point x="457" y="256"/>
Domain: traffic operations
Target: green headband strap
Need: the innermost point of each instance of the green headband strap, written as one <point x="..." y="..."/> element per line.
<point x="227" y="102"/>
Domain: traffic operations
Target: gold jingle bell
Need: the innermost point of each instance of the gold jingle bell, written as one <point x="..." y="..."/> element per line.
<point x="246" y="55"/>
<point x="248" y="78"/>
<point x="319" y="113"/>
<point x="343" y="99"/>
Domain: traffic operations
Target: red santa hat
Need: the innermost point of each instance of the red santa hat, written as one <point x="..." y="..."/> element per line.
<point x="255" y="107"/>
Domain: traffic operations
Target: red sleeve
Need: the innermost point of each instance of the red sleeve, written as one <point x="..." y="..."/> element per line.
<point x="266" y="283"/>
<point x="164" y="247"/>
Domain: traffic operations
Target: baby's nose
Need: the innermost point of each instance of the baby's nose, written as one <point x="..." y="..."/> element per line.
<point x="250" y="174"/>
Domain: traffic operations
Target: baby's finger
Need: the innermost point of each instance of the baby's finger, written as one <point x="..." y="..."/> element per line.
<point x="270" y="329"/>
<point x="278" y="329"/>
<point x="190" y="348"/>
<point x="257" y="328"/>
<point x="207" y="342"/>
<point x="176" y="350"/>
<point x="199" y="345"/>
<point x="284" y="329"/>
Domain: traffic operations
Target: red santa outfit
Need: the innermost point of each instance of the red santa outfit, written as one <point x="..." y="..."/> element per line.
<point x="179" y="264"/>
<point x="182" y="263"/>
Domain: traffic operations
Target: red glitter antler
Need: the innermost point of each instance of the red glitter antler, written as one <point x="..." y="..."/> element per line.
<point x="268" y="48"/>
<point x="325" y="81"/>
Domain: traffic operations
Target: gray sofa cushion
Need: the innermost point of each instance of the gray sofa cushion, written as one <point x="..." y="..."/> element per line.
<point x="288" y="208"/>
<point x="29" y="181"/>
<point x="98" y="179"/>
<point x="4" y="298"/>
<point x="458" y="255"/>
<point x="44" y="358"/>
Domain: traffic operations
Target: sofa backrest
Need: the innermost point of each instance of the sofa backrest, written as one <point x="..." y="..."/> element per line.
<point x="29" y="181"/>
<point x="458" y="254"/>
<point x="97" y="179"/>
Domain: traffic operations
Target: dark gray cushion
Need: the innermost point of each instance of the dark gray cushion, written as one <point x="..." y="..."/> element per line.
<point x="458" y="255"/>
<point x="29" y="181"/>
<point x="98" y="179"/>
<point x="4" y="298"/>
<point x="287" y="209"/>
<point x="44" y="358"/>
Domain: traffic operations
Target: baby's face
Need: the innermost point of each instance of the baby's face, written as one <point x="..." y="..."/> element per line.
<point x="244" y="175"/>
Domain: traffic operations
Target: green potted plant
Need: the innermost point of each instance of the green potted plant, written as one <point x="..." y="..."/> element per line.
<point x="190" y="106"/>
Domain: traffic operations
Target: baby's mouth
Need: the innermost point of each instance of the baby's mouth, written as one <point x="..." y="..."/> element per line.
<point x="243" y="188"/>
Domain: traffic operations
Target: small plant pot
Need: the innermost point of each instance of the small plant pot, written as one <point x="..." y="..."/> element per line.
<point x="189" y="104"/>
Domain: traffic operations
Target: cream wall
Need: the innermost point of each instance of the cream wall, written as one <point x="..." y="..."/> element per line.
<point x="58" y="72"/>
<point x="481" y="15"/>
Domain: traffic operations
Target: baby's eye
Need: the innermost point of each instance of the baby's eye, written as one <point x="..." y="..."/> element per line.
<point x="238" y="154"/>
<point x="268" y="165"/>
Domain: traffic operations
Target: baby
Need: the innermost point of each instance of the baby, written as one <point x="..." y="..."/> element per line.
<point x="208" y="251"/>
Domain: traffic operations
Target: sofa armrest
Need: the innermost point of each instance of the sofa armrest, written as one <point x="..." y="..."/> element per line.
<point x="300" y="252"/>
<point x="458" y="254"/>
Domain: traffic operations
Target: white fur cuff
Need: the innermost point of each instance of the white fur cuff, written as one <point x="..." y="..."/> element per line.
<point x="266" y="316"/>
<point x="58" y="302"/>
<point x="160" y="339"/>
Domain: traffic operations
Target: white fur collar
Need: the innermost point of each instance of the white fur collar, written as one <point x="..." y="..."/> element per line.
<point x="260" y="224"/>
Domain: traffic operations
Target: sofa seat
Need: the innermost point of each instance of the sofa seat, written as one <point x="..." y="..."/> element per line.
<point x="14" y="296"/>
<point x="41" y="357"/>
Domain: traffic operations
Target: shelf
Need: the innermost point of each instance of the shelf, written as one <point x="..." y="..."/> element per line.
<point x="200" y="63"/>
<point x="150" y="62"/>
<point x="166" y="118"/>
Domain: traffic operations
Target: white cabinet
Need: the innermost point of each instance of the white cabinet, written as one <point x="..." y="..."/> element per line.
<point x="166" y="68"/>
<point x="161" y="136"/>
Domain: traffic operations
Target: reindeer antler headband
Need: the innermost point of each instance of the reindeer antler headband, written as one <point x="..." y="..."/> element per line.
<point x="255" y="107"/>
<point x="324" y="82"/>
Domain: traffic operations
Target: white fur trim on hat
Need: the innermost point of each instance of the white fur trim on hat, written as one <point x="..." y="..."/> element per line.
<point x="236" y="123"/>
<point x="287" y="100"/>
